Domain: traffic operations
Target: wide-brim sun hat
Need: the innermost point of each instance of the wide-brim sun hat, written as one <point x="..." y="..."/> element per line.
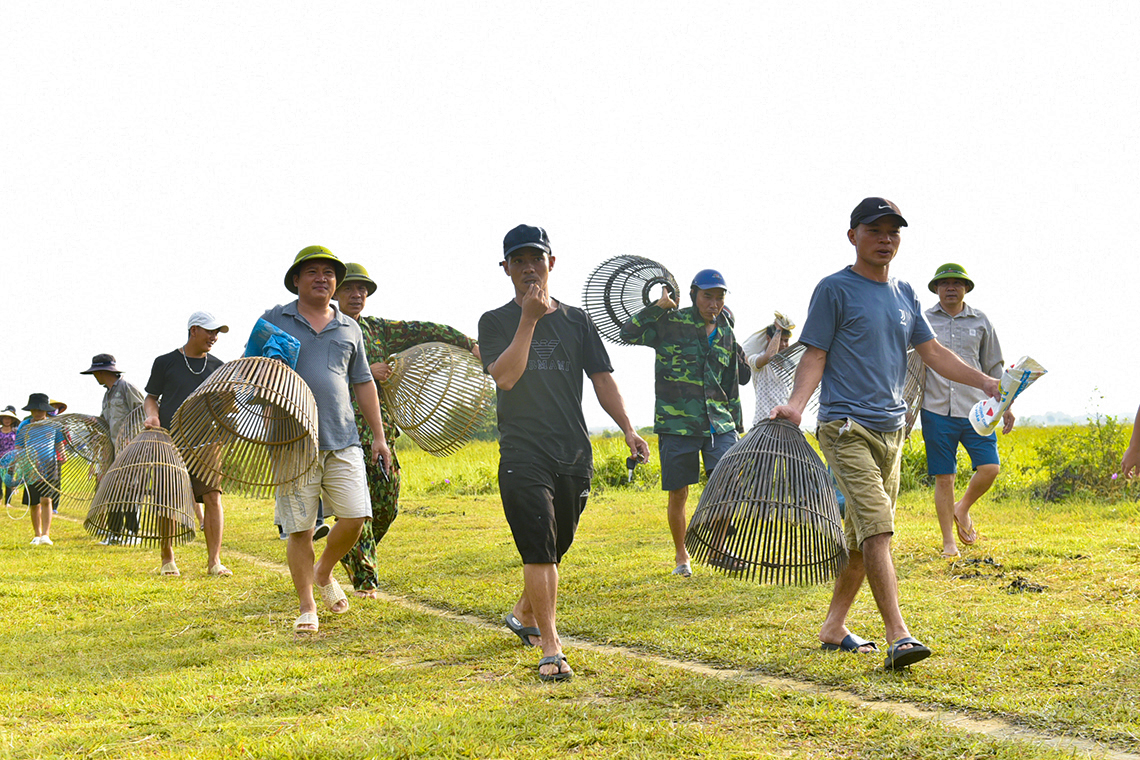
<point x="951" y="272"/>
<point x="312" y="253"/>
<point x="59" y="406"/>
<point x="10" y="411"/>
<point x="102" y="363"/>
<point x="39" y="401"/>
<point x="357" y="273"/>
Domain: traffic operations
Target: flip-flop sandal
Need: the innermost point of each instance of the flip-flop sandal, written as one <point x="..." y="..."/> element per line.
<point x="685" y="570"/>
<point x="850" y="643"/>
<point x="523" y="632"/>
<point x="966" y="538"/>
<point x="301" y="624"/>
<point x="901" y="658"/>
<point x="169" y="569"/>
<point x="554" y="659"/>
<point x="332" y="594"/>
<point x="728" y="562"/>
<point x="220" y="569"/>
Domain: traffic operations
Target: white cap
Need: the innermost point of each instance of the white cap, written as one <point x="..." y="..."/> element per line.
<point x="206" y="321"/>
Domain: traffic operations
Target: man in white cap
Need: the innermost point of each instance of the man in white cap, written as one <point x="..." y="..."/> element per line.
<point x="173" y="377"/>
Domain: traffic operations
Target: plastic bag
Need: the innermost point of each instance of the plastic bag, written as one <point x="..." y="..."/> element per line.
<point x="988" y="412"/>
<point x="273" y="342"/>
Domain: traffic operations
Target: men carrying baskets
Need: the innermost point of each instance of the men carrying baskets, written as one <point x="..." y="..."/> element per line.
<point x="173" y="377"/>
<point x="859" y="324"/>
<point x="537" y="350"/>
<point x="332" y="358"/>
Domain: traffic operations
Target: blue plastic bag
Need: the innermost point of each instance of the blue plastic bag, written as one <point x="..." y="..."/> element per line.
<point x="273" y="342"/>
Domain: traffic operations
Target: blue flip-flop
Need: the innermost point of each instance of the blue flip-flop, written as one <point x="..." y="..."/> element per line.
<point x="901" y="658"/>
<point x="523" y="632"/>
<point x="850" y="643"/>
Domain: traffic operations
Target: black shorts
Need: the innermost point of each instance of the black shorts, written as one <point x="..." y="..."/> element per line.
<point x="36" y="492"/>
<point x="542" y="508"/>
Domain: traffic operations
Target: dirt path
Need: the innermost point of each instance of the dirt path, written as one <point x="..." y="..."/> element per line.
<point x="993" y="727"/>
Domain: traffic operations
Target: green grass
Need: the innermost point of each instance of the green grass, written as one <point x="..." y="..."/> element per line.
<point x="104" y="658"/>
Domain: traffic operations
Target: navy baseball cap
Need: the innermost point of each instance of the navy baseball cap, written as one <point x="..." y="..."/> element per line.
<point x="525" y="236"/>
<point x="870" y="209"/>
<point x="706" y="279"/>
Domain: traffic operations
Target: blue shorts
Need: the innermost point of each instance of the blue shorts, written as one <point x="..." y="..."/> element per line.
<point x="943" y="434"/>
<point x="681" y="456"/>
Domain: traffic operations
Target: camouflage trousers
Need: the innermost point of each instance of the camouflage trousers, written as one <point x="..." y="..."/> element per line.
<point x="360" y="562"/>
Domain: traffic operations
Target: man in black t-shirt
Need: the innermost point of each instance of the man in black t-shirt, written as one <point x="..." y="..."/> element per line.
<point x="173" y="377"/>
<point x="537" y="350"/>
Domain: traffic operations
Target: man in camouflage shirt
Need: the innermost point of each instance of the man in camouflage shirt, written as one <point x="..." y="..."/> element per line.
<point x="382" y="338"/>
<point x="697" y="413"/>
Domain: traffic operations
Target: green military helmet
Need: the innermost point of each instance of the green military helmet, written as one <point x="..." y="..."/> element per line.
<point x="308" y="254"/>
<point x="357" y="273"/>
<point x="951" y="272"/>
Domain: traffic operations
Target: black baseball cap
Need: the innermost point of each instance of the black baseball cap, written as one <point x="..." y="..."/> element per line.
<point x="525" y="236"/>
<point x="870" y="209"/>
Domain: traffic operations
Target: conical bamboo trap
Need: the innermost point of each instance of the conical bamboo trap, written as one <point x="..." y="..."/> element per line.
<point x="83" y="455"/>
<point x="438" y="395"/>
<point x="132" y="426"/>
<point x="148" y="477"/>
<point x="619" y="288"/>
<point x="250" y="427"/>
<point x="913" y="388"/>
<point x="8" y="473"/>
<point x="769" y="512"/>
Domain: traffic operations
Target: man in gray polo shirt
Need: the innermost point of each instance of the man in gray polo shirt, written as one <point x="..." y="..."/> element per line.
<point x="946" y="406"/>
<point x="331" y="358"/>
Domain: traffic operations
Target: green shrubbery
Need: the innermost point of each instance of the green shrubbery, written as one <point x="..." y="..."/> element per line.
<point x="1081" y="461"/>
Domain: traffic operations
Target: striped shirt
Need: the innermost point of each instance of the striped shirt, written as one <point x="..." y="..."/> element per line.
<point x="329" y="361"/>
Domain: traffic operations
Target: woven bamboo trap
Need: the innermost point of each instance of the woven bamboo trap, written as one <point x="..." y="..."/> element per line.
<point x="769" y="512"/>
<point x="251" y="426"/>
<point x="787" y="362"/>
<point x="132" y="426"/>
<point x="438" y="394"/>
<point x="148" y="477"/>
<point x="619" y="288"/>
<point x="68" y="453"/>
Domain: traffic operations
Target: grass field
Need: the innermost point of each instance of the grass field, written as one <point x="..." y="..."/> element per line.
<point x="1037" y="625"/>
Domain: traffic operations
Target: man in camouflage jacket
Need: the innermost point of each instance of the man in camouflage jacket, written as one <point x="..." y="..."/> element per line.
<point x="697" y="373"/>
<point x="382" y="338"/>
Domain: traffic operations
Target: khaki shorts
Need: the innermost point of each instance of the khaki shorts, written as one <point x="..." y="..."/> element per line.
<point x="338" y="477"/>
<point x="866" y="466"/>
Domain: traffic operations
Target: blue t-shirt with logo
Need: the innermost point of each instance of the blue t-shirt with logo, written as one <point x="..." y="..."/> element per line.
<point x="865" y="327"/>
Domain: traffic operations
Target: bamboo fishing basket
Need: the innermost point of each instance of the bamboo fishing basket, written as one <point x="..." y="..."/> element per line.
<point x="619" y="288"/>
<point x="250" y="427"/>
<point x="438" y="395"/>
<point x="132" y="426"/>
<point x="769" y="512"/>
<point x="149" y="478"/>
<point x="73" y="468"/>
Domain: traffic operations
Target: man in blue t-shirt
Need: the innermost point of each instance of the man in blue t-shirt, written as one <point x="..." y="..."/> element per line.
<point x="859" y="324"/>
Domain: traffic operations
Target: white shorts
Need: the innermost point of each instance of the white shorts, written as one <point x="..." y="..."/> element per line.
<point x="338" y="477"/>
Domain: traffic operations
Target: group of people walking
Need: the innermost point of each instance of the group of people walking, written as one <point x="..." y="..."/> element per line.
<point x="860" y="323"/>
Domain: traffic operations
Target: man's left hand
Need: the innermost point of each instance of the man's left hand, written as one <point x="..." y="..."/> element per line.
<point x="1007" y="420"/>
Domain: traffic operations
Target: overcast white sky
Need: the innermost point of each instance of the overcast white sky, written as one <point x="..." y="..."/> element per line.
<point x="165" y="157"/>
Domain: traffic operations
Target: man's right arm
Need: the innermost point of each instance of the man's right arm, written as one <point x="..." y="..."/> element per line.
<point x="640" y="329"/>
<point x="510" y="365"/>
<point x="808" y="375"/>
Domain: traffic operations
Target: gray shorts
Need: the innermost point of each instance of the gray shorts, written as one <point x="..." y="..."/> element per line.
<point x="339" y="477"/>
<point x="681" y="456"/>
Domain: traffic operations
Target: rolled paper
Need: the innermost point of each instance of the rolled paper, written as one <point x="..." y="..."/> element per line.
<point x="987" y="413"/>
